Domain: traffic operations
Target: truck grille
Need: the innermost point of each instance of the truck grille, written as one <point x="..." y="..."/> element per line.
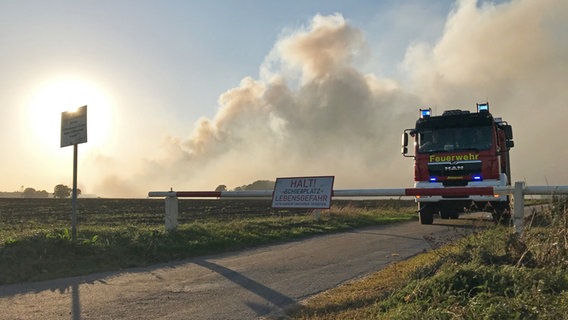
<point x="455" y="168"/>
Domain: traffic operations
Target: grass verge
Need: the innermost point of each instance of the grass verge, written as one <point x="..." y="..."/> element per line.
<point x="46" y="251"/>
<point x="489" y="275"/>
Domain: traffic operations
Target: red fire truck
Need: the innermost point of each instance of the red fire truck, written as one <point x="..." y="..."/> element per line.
<point x="460" y="149"/>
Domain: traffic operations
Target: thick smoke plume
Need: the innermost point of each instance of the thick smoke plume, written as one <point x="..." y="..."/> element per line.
<point x="312" y="112"/>
<point x="516" y="56"/>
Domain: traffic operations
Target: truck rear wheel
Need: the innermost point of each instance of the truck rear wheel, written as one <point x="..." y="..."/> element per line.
<point x="426" y="213"/>
<point x="501" y="212"/>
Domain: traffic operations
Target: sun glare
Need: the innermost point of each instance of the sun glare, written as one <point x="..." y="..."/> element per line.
<point x="51" y="99"/>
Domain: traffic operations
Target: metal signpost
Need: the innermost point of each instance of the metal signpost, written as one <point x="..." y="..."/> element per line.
<point x="73" y="132"/>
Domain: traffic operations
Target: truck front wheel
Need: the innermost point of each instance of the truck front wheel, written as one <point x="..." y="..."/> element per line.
<point x="426" y="213"/>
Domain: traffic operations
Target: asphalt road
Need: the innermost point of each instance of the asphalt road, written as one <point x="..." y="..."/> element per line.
<point x="249" y="284"/>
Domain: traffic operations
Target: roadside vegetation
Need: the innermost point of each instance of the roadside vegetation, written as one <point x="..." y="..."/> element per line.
<point x="491" y="274"/>
<point x="113" y="234"/>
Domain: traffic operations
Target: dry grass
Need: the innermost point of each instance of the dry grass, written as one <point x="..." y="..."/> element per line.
<point x="492" y="274"/>
<point x="354" y="299"/>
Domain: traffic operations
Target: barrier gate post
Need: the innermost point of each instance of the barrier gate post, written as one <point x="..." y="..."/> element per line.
<point x="518" y="208"/>
<point x="171" y="213"/>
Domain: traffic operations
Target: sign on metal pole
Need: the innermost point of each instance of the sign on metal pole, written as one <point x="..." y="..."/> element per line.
<point x="73" y="132"/>
<point x="74" y="127"/>
<point x="303" y="192"/>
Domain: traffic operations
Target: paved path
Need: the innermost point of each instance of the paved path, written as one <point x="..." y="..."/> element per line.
<point x="243" y="285"/>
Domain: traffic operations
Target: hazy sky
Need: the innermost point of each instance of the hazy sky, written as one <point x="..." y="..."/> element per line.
<point x="193" y="94"/>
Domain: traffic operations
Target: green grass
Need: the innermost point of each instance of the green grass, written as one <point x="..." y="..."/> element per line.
<point x="37" y="246"/>
<point x="492" y="274"/>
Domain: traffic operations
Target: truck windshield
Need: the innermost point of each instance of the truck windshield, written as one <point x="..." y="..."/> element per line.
<point x="454" y="139"/>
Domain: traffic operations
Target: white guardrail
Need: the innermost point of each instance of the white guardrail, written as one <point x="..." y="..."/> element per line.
<point x="518" y="191"/>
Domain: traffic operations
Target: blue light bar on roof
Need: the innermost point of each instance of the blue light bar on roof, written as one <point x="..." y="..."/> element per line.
<point x="433" y="179"/>
<point x="425" y="113"/>
<point x="483" y="107"/>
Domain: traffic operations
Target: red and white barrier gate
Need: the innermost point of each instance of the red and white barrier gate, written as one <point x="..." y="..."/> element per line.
<point x="518" y="192"/>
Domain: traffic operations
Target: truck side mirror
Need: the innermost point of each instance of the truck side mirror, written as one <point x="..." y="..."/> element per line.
<point x="508" y="132"/>
<point x="404" y="143"/>
<point x="509" y="144"/>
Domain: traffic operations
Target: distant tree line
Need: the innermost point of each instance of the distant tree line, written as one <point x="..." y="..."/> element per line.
<point x="33" y="193"/>
<point x="60" y="191"/>
<point x="257" y="185"/>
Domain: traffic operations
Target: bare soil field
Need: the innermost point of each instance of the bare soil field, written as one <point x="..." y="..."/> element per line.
<point x="26" y="213"/>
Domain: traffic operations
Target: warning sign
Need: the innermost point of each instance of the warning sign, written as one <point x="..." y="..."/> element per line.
<point x="303" y="192"/>
<point x="74" y="127"/>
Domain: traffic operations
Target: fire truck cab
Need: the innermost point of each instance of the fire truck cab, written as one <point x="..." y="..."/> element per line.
<point x="460" y="149"/>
